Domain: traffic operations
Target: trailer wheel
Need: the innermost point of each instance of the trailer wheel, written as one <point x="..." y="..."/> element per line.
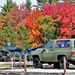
<point x="56" y="65"/>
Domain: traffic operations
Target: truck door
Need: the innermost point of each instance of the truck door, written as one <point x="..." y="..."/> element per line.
<point x="47" y="52"/>
<point x="62" y="47"/>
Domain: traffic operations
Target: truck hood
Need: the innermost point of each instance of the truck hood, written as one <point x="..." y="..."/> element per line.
<point x="37" y="51"/>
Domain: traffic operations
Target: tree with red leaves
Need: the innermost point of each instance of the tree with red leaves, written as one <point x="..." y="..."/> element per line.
<point x="64" y="16"/>
<point x="14" y="16"/>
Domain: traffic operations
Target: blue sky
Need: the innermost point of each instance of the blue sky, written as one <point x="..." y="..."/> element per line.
<point x="18" y="2"/>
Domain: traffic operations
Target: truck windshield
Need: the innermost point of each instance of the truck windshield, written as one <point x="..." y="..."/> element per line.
<point x="62" y="43"/>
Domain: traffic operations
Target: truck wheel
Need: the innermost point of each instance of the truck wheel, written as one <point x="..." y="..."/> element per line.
<point x="37" y="63"/>
<point x="56" y="65"/>
<point x="61" y="63"/>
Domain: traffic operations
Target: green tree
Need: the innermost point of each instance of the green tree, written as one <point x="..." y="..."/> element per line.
<point x="47" y="28"/>
<point x="41" y="3"/>
<point x="7" y="34"/>
<point x="28" y="4"/>
<point x="18" y="37"/>
<point x="7" y="7"/>
<point x="22" y="37"/>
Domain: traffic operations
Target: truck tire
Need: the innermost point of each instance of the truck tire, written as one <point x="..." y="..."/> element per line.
<point x="37" y="63"/>
<point x="61" y="63"/>
<point x="56" y="65"/>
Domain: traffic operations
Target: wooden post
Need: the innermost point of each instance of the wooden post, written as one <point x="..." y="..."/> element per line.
<point x="64" y="64"/>
<point x="25" y="65"/>
<point x="12" y="63"/>
<point x="14" y="59"/>
<point x="20" y="61"/>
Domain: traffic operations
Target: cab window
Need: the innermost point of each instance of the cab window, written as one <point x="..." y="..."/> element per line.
<point x="74" y="44"/>
<point x="49" y="44"/>
<point x="62" y="43"/>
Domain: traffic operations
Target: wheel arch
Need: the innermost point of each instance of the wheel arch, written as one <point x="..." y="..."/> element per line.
<point x="34" y="56"/>
<point x="60" y="56"/>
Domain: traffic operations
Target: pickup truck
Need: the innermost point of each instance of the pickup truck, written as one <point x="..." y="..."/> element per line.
<point x="53" y="53"/>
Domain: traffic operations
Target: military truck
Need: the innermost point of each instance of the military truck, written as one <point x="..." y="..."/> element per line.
<point x="53" y="52"/>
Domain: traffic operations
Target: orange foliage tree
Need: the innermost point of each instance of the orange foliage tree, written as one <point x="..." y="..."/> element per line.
<point x="33" y="27"/>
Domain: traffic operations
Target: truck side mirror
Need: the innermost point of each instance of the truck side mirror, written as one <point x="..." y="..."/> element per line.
<point x="43" y="51"/>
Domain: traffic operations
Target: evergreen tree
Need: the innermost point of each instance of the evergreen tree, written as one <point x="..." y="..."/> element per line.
<point x="28" y="4"/>
<point x="7" y="7"/>
<point x="7" y="35"/>
<point x="22" y="37"/>
<point x="18" y="37"/>
<point x="41" y="3"/>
